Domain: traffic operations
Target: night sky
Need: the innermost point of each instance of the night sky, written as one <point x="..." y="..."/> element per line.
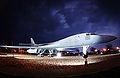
<point x="51" y="20"/>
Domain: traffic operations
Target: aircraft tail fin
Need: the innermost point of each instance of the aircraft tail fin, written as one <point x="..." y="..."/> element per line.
<point x="32" y="41"/>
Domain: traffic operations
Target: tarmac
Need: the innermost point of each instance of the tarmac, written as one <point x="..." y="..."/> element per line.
<point x="32" y="66"/>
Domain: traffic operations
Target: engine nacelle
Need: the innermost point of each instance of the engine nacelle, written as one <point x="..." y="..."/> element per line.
<point x="32" y="50"/>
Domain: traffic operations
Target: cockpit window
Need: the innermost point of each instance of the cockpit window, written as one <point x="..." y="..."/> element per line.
<point x="90" y="34"/>
<point x="93" y="34"/>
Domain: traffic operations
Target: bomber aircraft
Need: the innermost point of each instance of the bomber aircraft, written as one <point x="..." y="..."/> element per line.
<point x="83" y="40"/>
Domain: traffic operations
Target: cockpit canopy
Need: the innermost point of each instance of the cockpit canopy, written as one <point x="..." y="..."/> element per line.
<point x="90" y="34"/>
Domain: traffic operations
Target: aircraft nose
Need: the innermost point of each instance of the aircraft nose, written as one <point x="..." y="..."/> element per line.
<point x="111" y="38"/>
<point x="108" y="38"/>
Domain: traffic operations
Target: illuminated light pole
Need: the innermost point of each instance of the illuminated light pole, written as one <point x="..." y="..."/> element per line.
<point x="117" y="48"/>
<point x="95" y="50"/>
<point x="101" y="52"/>
<point x="104" y="49"/>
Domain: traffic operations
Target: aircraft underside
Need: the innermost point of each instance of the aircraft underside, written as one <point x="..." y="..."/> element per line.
<point x="41" y="52"/>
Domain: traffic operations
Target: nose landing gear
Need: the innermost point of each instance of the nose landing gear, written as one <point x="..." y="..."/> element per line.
<point x="85" y="56"/>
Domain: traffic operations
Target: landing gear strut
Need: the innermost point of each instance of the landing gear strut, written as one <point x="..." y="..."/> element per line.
<point x="85" y="56"/>
<point x="85" y="51"/>
<point x="41" y="53"/>
<point x="50" y="53"/>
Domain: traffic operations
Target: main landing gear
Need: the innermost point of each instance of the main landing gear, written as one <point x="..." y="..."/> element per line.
<point x="50" y="53"/>
<point x="41" y="53"/>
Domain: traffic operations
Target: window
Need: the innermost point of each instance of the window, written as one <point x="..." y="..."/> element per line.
<point x="90" y="34"/>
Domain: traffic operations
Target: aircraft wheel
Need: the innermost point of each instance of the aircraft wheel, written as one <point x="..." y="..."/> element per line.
<point x="50" y="55"/>
<point x="42" y="55"/>
<point x="85" y="56"/>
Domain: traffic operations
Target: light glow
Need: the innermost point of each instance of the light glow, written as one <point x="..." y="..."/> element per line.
<point x="67" y="51"/>
<point x="59" y="55"/>
<point x="117" y="48"/>
<point x="95" y="50"/>
<point x="104" y="49"/>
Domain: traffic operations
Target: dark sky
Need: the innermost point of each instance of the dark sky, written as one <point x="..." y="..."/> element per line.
<point x="51" y="20"/>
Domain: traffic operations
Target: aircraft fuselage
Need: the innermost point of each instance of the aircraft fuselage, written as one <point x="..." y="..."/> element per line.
<point x="79" y="40"/>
